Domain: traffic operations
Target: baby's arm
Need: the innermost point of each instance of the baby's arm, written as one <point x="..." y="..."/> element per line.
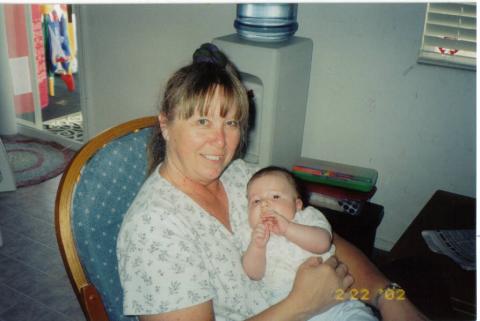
<point x="310" y="238"/>
<point x="254" y="259"/>
<point x="313" y="239"/>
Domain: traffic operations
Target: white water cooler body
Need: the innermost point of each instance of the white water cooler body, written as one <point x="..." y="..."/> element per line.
<point x="278" y="73"/>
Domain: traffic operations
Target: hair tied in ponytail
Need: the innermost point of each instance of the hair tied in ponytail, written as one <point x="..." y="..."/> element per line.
<point x="209" y="53"/>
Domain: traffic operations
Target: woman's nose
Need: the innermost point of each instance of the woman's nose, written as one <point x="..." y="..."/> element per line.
<point x="219" y="136"/>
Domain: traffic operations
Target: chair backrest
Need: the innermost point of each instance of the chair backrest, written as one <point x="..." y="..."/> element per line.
<point x="94" y="194"/>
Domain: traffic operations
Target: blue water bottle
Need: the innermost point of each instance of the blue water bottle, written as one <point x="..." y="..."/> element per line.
<point x="266" y="22"/>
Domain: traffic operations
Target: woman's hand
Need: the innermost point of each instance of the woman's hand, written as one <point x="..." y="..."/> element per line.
<point x="316" y="284"/>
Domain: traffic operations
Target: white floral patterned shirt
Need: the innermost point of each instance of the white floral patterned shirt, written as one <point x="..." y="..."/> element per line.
<point x="172" y="254"/>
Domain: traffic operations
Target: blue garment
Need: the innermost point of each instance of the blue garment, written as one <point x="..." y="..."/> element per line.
<point x="57" y="44"/>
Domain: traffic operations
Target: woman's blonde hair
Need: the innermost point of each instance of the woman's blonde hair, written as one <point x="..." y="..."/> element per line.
<point x="193" y="87"/>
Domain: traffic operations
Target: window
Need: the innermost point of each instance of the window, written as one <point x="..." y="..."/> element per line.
<point x="449" y="35"/>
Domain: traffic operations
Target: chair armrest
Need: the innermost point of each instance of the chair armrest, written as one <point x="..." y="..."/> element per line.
<point x="92" y="304"/>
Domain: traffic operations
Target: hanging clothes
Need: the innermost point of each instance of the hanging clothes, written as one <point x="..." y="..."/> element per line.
<point x="57" y="48"/>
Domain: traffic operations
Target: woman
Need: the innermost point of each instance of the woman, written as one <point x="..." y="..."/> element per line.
<point x="179" y="255"/>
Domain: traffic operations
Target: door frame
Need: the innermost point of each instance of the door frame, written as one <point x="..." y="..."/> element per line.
<point x="36" y="128"/>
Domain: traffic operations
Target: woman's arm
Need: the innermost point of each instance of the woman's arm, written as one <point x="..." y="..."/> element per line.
<point x="282" y="311"/>
<point x="313" y="292"/>
<point x="368" y="279"/>
<point x="366" y="275"/>
<point x="199" y="312"/>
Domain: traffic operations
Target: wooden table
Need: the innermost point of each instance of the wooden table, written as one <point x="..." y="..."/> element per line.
<point x="434" y="282"/>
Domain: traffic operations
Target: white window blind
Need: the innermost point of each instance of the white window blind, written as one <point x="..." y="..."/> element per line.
<point x="449" y="35"/>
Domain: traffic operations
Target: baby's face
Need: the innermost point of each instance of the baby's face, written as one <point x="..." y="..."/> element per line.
<point x="271" y="192"/>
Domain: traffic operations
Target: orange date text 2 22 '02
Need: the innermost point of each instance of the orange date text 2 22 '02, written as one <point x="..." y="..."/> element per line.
<point x="364" y="294"/>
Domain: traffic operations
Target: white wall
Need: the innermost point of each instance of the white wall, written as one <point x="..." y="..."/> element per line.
<point x="370" y="104"/>
<point x="131" y="50"/>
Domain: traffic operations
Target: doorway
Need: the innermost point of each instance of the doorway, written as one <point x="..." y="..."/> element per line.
<point x="62" y="114"/>
<point x="42" y="45"/>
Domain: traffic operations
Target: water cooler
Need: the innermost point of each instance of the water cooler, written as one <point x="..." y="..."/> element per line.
<point x="278" y="74"/>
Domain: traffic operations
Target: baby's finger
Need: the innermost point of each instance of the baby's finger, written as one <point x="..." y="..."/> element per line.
<point x="271" y="226"/>
<point x="266" y="235"/>
<point x="260" y="229"/>
<point x="341" y="270"/>
<point x="267" y="218"/>
<point x="266" y="222"/>
<point x="348" y="281"/>
<point x="332" y="261"/>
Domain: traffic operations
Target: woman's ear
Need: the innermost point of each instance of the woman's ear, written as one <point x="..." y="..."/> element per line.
<point x="299" y="204"/>
<point x="163" y="121"/>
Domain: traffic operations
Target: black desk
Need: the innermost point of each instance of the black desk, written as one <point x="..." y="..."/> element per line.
<point x="434" y="282"/>
<point x="360" y="229"/>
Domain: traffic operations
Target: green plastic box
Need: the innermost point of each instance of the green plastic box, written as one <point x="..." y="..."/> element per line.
<point x="336" y="174"/>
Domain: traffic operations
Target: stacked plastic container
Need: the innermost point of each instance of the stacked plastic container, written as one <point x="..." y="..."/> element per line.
<point x="337" y="186"/>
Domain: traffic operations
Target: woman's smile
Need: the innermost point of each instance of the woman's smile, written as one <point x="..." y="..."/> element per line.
<point x="212" y="157"/>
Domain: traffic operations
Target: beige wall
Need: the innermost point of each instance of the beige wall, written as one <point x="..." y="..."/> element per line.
<point x="369" y="103"/>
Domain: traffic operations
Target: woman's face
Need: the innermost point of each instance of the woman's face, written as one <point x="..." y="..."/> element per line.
<point x="200" y="147"/>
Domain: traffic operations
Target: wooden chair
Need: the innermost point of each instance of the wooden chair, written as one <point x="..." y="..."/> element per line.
<point x="94" y="193"/>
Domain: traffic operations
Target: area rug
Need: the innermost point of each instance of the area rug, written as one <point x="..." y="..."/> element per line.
<point x="34" y="161"/>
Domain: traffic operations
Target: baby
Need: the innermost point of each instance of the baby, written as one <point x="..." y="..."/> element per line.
<point x="284" y="235"/>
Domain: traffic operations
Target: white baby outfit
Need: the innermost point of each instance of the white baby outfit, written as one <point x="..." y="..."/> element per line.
<point x="283" y="259"/>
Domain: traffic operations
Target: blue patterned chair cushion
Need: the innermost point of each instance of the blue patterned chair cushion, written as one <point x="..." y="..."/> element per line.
<point x="108" y="184"/>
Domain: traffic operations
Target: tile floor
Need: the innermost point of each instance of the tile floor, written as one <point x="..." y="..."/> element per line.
<point x="33" y="283"/>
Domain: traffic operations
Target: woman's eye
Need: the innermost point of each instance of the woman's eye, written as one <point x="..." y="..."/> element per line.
<point x="202" y="121"/>
<point x="276" y="197"/>
<point x="232" y="123"/>
<point x="256" y="202"/>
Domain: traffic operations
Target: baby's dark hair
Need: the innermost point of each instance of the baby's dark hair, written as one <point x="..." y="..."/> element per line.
<point x="298" y="187"/>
